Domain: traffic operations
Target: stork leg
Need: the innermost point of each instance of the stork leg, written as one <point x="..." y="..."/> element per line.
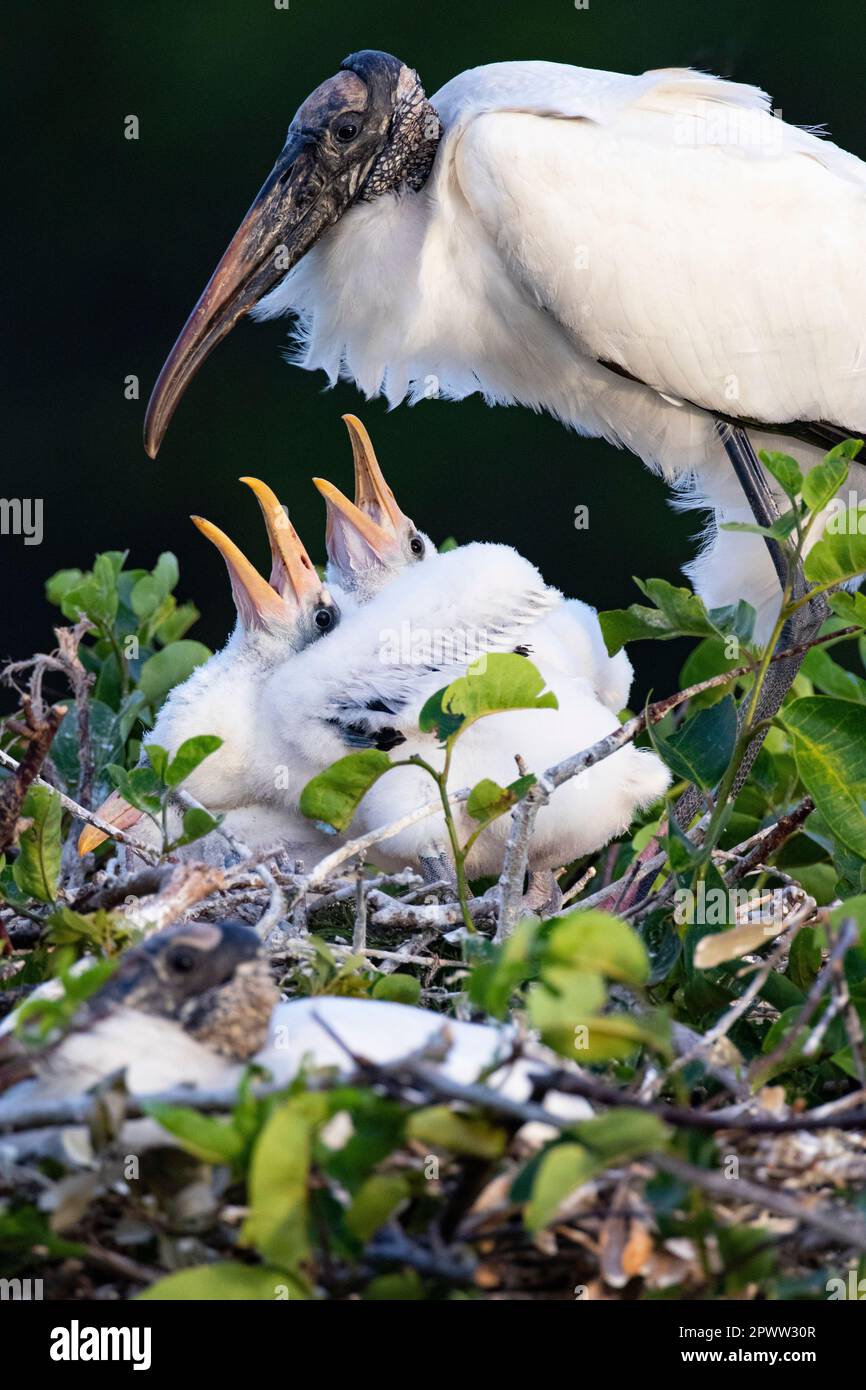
<point x="802" y="627"/>
<point x="436" y="865"/>
<point x="543" y="895"/>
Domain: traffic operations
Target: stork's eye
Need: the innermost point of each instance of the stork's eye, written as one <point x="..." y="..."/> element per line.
<point x="346" y="131"/>
<point x="324" y="619"/>
<point x="182" y="959"/>
<point x="416" y="545"/>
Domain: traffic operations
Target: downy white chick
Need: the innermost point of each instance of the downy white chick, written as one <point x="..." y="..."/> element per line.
<point x="372" y="542"/>
<point x="365" y="689"/>
<point x="196" y="1003"/>
<point x="275" y="620"/>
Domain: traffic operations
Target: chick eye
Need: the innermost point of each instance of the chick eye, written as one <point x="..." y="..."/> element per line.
<point x="324" y="619"/>
<point x="347" y="131"/>
<point x="182" y="960"/>
<point x="416" y="545"/>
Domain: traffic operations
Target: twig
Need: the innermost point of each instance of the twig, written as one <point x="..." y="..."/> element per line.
<point x="723" y="1025"/>
<point x="359" y="935"/>
<point x="149" y="855"/>
<point x="844" y="1228"/>
<point x="13" y="790"/>
<point x="578" y="886"/>
<point x="763" y="1067"/>
<point x="356" y="849"/>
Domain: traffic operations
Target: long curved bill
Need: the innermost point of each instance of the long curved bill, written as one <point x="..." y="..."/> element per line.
<point x="372" y="494"/>
<point x="293" y="573"/>
<point x="283" y="223"/>
<point x="115" y="811"/>
<point x="306" y="192"/>
<point x="255" y="600"/>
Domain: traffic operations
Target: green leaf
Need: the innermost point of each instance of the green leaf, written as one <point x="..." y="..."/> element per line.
<point x="683" y="854"/>
<point x="498" y="970"/>
<point x="562" y="1169"/>
<point x="277" y="1189"/>
<point x="95" y="595"/>
<point x="487" y="800"/>
<point x="375" y="1203"/>
<point x="166" y="573"/>
<point x="829" y="742"/>
<point x="399" y="989"/>
<point x="141" y="787"/>
<point x="158" y="759"/>
<point x="225" y="1283"/>
<point x="840" y="554"/>
<point x="785" y="470"/>
<point x="707" y="659"/>
<point x="824" y="480"/>
<point x="779" y="531"/>
<point x="497" y="682"/>
<point x="334" y="796"/>
<point x="804" y="961"/>
<point x="701" y="750"/>
<point x="177" y="623"/>
<point x="197" y="822"/>
<point x="37" y="868"/>
<point x="745" y="1258"/>
<point x="600" y="944"/>
<point x="831" y="678"/>
<point x="443" y="1128"/>
<point x="168" y="668"/>
<point x="146" y="597"/>
<point x="191" y="753"/>
<point x="211" y="1140"/>
<point x="677" y="613"/>
<point x="404" y="1287"/>
<point x="623" y="1134"/>
<point x="60" y="583"/>
<point x="851" y="608"/>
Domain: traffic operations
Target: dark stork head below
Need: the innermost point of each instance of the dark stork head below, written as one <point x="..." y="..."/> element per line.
<point x="365" y="131"/>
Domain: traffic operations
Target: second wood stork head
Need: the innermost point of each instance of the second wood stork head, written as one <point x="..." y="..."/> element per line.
<point x="371" y="540"/>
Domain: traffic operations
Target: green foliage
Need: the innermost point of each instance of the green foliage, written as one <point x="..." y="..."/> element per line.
<point x="334" y="796"/>
<point x="36" y="870"/>
<point x="701" y="749"/>
<point x="493" y="684"/>
<point x="137" y="651"/>
<point x="499" y="681"/>
<point x="150" y="787"/>
<point x="677" y="612"/>
<point x="829" y="741"/>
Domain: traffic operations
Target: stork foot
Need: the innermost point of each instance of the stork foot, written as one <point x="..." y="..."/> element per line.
<point x="543" y="896"/>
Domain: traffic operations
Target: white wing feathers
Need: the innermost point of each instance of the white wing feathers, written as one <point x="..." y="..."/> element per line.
<point x="685" y="235"/>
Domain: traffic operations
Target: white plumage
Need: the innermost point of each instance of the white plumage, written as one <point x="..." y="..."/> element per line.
<point x="665" y="224"/>
<point x="367" y="685"/>
<point x="371" y="542"/>
<point x="239" y="781"/>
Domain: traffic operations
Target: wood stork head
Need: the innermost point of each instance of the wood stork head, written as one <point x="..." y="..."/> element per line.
<point x="208" y="976"/>
<point x="367" y="130"/>
<point x="370" y="541"/>
<point x="291" y="609"/>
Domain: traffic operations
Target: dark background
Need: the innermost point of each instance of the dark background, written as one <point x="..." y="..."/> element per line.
<point x="110" y="242"/>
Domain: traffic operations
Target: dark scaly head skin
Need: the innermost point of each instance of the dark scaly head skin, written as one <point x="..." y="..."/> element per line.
<point x="207" y="976"/>
<point x="364" y="132"/>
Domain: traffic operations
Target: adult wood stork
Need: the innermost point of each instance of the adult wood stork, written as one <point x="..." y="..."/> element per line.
<point x="653" y="259"/>
<point x="276" y="619"/>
